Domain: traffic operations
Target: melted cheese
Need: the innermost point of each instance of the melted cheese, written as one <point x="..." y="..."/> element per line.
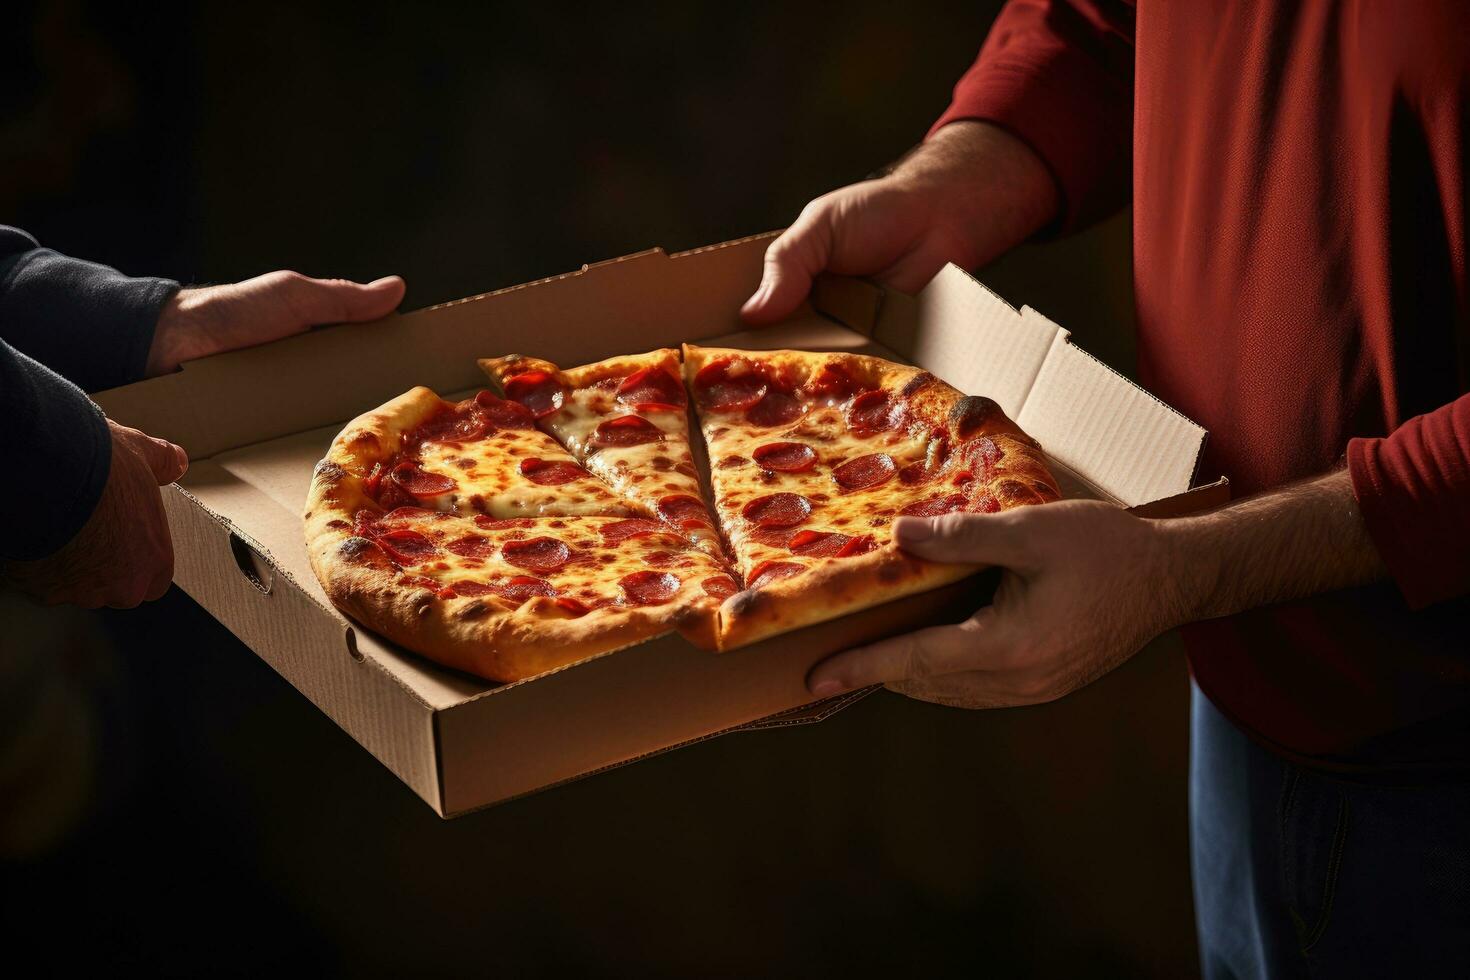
<point x="642" y="474"/>
<point x="737" y="480"/>
<point x="489" y="480"/>
<point x="591" y="575"/>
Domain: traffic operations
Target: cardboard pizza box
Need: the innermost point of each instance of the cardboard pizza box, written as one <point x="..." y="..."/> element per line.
<point x="256" y="421"/>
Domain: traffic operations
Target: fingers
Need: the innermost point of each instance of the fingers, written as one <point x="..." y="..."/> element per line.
<point x="317" y="301"/>
<point x="982" y="539"/>
<point x="792" y="262"/>
<point x="925" y="653"/>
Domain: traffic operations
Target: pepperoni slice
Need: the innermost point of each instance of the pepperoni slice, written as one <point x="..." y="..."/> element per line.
<point x="471" y="588"/>
<point x="775" y="537"/>
<point x="786" y="457"/>
<point x="776" y="407"/>
<point x="872" y="411"/>
<point x="864" y="472"/>
<point x="915" y="473"/>
<point x="626" y="430"/>
<point x="503" y="414"/>
<point x="857" y="546"/>
<point x="550" y="473"/>
<point x="730" y="384"/>
<point x="719" y="586"/>
<point x="680" y="509"/>
<point x="421" y="484"/>
<point x="649" y="588"/>
<point x="652" y="387"/>
<point x="772" y="571"/>
<point x="634" y="527"/>
<point x="406" y="547"/>
<point x="536" y="554"/>
<point x="985" y="504"/>
<point x="777" y="510"/>
<point x="833" y="383"/>
<point x="540" y="391"/>
<point x="471" y="546"/>
<point x="574" y="607"/>
<point x="455" y="426"/>
<point x="818" y="544"/>
<point x="372" y="481"/>
<point x="934" y="506"/>
<point x="520" y="588"/>
<point x="502" y="523"/>
<point x="408" y="514"/>
<point x="980" y="454"/>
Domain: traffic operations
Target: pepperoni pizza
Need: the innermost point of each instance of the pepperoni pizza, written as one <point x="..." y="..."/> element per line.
<point x="511" y="533"/>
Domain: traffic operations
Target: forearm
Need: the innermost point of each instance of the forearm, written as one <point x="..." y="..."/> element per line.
<point x="996" y="188"/>
<point x="1287" y="544"/>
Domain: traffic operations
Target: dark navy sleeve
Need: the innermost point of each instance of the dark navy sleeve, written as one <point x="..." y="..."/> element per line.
<point x="62" y="318"/>
<point x="87" y="322"/>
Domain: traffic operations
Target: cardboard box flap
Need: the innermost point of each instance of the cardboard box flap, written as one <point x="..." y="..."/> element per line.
<point x="1131" y="445"/>
<point x="997" y="353"/>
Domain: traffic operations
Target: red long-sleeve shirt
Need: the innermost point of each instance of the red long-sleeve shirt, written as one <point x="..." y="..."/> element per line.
<point x="1298" y="178"/>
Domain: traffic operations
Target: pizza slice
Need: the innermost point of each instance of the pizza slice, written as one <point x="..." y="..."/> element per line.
<point x="813" y="455"/>
<point x="626" y="420"/>
<point x="483" y="455"/>
<point x="435" y="523"/>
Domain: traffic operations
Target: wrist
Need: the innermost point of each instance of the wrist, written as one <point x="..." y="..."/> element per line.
<point x="1188" y="569"/>
<point x="181" y="333"/>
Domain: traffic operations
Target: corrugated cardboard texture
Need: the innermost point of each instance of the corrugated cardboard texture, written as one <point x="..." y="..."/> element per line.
<point x="256" y="421"/>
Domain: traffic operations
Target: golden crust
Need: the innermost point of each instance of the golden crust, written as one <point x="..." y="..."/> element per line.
<point x="828" y="591"/>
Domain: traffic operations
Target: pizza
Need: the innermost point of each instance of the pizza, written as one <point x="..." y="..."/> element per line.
<point x="564" y="515"/>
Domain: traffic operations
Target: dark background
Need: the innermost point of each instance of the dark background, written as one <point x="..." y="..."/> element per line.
<point x="167" y="801"/>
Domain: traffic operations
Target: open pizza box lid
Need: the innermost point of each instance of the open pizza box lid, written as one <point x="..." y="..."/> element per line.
<point x="255" y="422"/>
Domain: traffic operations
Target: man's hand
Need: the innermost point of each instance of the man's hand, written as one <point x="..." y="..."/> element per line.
<point x="208" y="320"/>
<point x="123" y="555"/>
<point x="968" y="194"/>
<point x="1086" y="584"/>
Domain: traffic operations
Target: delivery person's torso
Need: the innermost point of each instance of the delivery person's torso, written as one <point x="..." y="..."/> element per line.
<point x="1299" y="227"/>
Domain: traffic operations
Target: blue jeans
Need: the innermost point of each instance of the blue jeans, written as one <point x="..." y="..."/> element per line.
<point x="1299" y="874"/>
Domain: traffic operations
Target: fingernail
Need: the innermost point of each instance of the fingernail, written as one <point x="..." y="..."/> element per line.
<point x="376" y="283"/>
<point x="912" y="530"/>
<point x="826" y="688"/>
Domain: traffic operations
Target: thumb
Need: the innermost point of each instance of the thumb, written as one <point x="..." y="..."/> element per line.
<point x="318" y="301"/>
<point x="792" y="262"/>
<point x="981" y="539"/>
<point x="167" y="461"/>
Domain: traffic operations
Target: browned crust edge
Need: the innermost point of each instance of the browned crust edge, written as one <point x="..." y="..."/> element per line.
<point x="829" y="591"/>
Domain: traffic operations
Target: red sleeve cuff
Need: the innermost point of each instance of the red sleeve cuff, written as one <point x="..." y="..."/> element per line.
<point x="1413" y="489"/>
<point x="1059" y="76"/>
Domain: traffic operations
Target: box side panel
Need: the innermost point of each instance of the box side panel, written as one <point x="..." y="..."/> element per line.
<point x="306" y="644"/>
<point x="659" y="694"/>
<point x="1126" y="441"/>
